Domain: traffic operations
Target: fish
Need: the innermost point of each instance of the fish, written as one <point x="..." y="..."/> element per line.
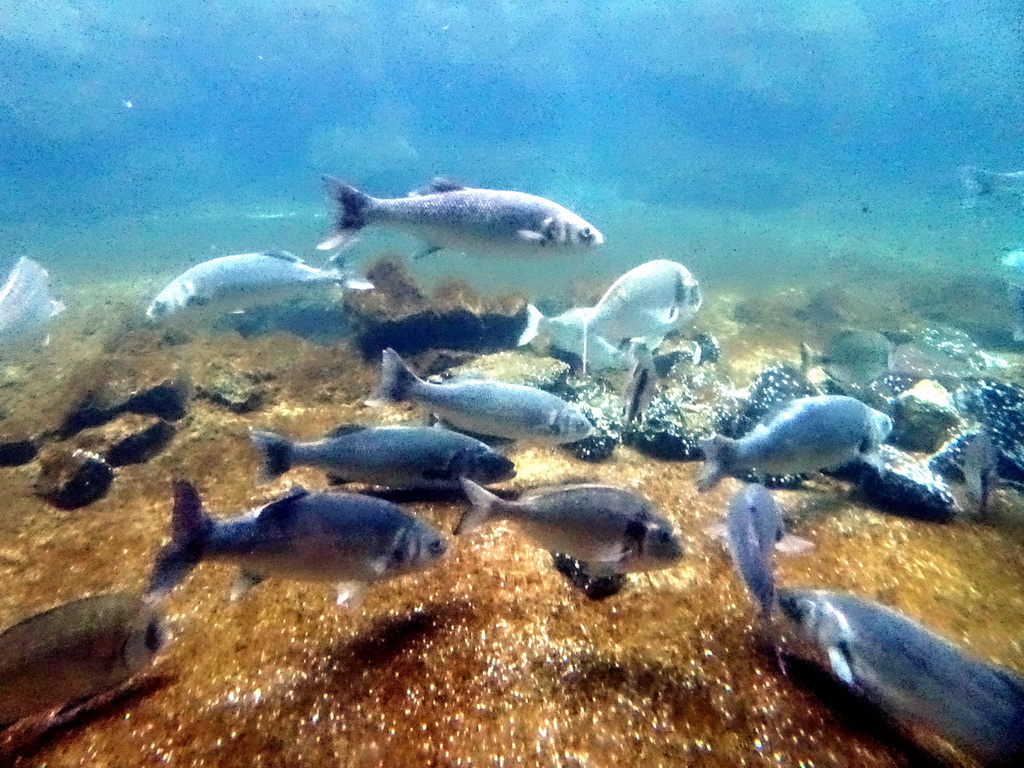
<point x="343" y="538"/>
<point x="978" y="183"/>
<point x="75" y="652"/>
<point x="26" y="308"/>
<point x="643" y="383"/>
<point x="912" y="674"/>
<point x="493" y="408"/>
<point x="808" y="434"/>
<point x="753" y="530"/>
<point x="245" y="280"/>
<point x="612" y="530"/>
<point x="980" y="462"/>
<point x="647" y="303"/>
<point x="394" y="457"/>
<point x="852" y="357"/>
<point x="565" y="332"/>
<point x="447" y="215"/>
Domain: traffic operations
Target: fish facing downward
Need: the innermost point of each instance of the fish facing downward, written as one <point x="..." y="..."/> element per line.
<point x="245" y="280"/>
<point x="609" y="529"/>
<point x="26" y="306"/>
<point x="343" y="538"/>
<point x="912" y="674"/>
<point x="482" y="407"/>
<point x="448" y="215"/>
<point x="809" y="434"/>
<point x="75" y="651"/>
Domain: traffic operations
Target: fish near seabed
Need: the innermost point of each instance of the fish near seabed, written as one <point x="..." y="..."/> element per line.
<point x="448" y="215"/>
<point x="809" y="434"/>
<point x="978" y="183"/>
<point x="26" y="307"/>
<point x="343" y="538"/>
<point x="245" y="280"/>
<point x="74" y="652"/>
<point x="494" y="408"/>
<point x="912" y="674"/>
<point x="610" y="529"/>
<point x="565" y="332"/>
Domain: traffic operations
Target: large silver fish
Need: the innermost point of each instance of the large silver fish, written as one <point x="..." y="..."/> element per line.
<point x="810" y="433"/>
<point x="448" y="215"/>
<point x="26" y="306"/>
<point x="74" y="652"/>
<point x="610" y="529"/>
<point x="482" y="407"/>
<point x="912" y="674"/>
<point x="343" y="538"/>
<point x="243" y="281"/>
<point x="395" y="457"/>
<point x="565" y="332"/>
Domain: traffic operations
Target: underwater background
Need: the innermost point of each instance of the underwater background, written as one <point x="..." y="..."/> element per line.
<point x="800" y="158"/>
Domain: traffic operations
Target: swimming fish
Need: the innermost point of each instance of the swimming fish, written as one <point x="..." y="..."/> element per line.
<point x="565" y="332"/>
<point x="980" y="462"/>
<point x="485" y="407"/>
<point x="395" y="457"/>
<point x="74" y="652"/>
<point x="912" y="674"/>
<point x="753" y="529"/>
<point x="230" y="283"/>
<point x="810" y="433"/>
<point x="26" y="306"/>
<point x="448" y="215"/>
<point x="344" y="538"/>
<point x="852" y="357"/>
<point x="643" y="382"/>
<point x="979" y="183"/>
<point x="610" y="529"/>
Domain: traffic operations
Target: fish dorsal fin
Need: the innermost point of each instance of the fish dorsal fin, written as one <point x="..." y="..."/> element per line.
<point x="279" y="510"/>
<point x="283" y="256"/>
<point x="437" y="186"/>
<point x="346" y="429"/>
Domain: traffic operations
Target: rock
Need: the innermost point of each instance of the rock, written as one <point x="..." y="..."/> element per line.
<point x="17" y="449"/>
<point x="73" y="479"/>
<point x="131" y="439"/>
<point x="397" y="314"/>
<point x="238" y="391"/>
<point x="515" y="368"/>
<point x="773" y="388"/>
<point x="998" y="407"/>
<point x="672" y="428"/>
<point x="594" y="587"/>
<point x="166" y="399"/>
<point x="710" y="349"/>
<point x="924" y="417"/>
<point x="901" y="484"/>
<point x="603" y="406"/>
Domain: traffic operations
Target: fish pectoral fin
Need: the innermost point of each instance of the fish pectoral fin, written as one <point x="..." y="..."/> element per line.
<point x="351" y="593"/>
<point x="716" y="531"/>
<point x="793" y="545"/>
<point x="245" y="581"/>
<point x="841" y="662"/>
<point x="531" y="236"/>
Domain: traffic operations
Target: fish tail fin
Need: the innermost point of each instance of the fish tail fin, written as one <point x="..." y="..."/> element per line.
<point x="335" y="270"/>
<point x="190" y="530"/>
<point x="807" y="358"/>
<point x="484" y="506"/>
<point x="534" y="317"/>
<point x="396" y="379"/>
<point x="717" y="459"/>
<point x="352" y="208"/>
<point x="976" y="183"/>
<point x="275" y="453"/>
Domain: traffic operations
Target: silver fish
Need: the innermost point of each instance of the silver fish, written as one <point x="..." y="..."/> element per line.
<point x="344" y="538"/>
<point x="643" y="383"/>
<point x="485" y="407"/>
<point x="565" y="332"/>
<point x="610" y="529"/>
<point x="74" y="652"/>
<point x="852" y="357"/>
<point x="395" y="457"/>
<point x="753" y="529"/>
<point x="448" y="215"/>
<point x="245" y="280"/>
<point x="979" y="183"/>
<point x="811" y="433"/>
<point x="980" y="462"/>
<point x="912" y="674"/>
<point x="26" y="307"/>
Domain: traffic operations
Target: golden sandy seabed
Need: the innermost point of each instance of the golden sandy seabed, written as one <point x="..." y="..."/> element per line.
<point x="491" y="659"/>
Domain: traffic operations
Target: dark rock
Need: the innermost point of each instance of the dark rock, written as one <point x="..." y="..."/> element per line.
<point x="594" y="587"/>
<point x="710" y="349"/>
<point x="672" y="429"/>
<point x="167" y="399"/>
<point x="771" y="390"/>
<point x="924" y="418"/>
<point x="397" y="314"/>
<point x="140" y="445"/>
<point x="998" y="409"/>
<point x="900" y="484"/>
<point x="240" y="392"/>
<point x="17" y="449"/>
<point x="603" y="406"/>
<point x="73" y="479"/>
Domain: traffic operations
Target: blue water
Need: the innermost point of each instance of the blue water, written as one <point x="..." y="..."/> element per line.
<point x="142" y="136"/>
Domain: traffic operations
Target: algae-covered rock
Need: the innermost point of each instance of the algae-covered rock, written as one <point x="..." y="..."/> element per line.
<point x="165" y="398"/>
<point x="603" y="407"/>
<point x="924" y="417"/>
<point x="130" y="439"/>
<point x="72" y="479"/>
<point x="238" y="391"/>
<point x="578" y="574"/>
<point x="16" y="449"/>
<point x="515" y="368"/>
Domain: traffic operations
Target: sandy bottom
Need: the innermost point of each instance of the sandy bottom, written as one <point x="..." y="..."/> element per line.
<point x="491" y="658"/>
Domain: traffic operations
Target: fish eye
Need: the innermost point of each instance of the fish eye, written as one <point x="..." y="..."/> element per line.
<point x="664" y="537"/>
<point x="154" y="638"/>
<point x="437" y="547"/>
